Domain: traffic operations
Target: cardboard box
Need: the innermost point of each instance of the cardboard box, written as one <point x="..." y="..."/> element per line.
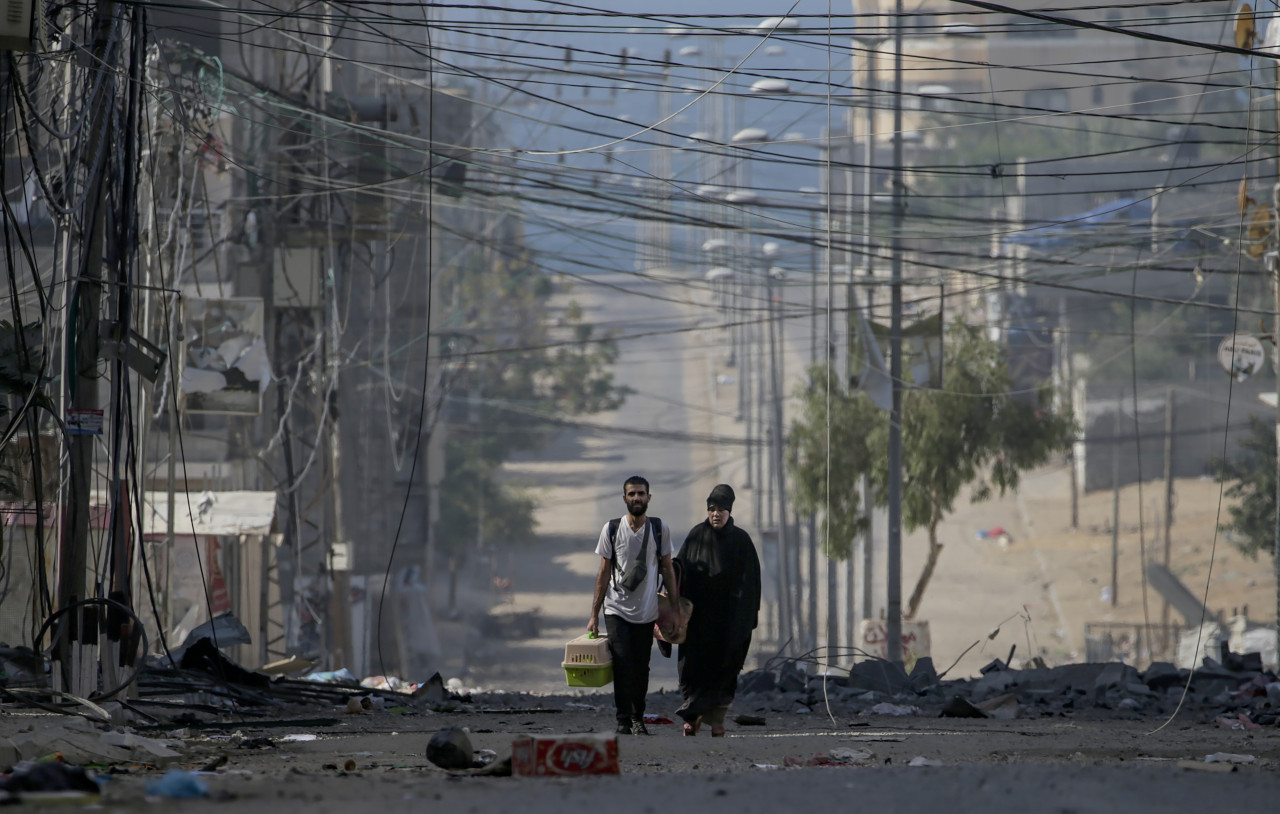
<point x="564" y="755"/>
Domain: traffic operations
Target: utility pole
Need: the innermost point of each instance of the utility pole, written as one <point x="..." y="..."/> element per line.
<point x="1274" y="257"/>
<point x="1168" y="502"/>
<point x="81" y="338"/>
<point x="1115" y="505"/>
<point x="893" y="558"/>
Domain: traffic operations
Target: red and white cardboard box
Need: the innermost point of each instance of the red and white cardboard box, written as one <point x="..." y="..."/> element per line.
<point x="564" y="755"/>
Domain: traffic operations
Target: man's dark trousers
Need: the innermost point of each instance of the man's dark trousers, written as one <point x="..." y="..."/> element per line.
<point x="630" y="646"/>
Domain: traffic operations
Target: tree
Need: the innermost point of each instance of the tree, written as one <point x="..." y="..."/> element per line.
<point x="973" y="431"/>
<point x="512" y="386"/>
<point x="1253" y="519"/>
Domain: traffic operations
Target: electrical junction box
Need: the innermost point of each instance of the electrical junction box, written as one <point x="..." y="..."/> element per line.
<point x="17" y="24"/>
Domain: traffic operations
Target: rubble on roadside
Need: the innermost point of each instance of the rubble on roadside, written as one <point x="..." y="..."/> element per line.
<point x="1241" y="696"/>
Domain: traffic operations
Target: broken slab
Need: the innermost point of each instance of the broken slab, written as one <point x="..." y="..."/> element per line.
<point x="80" y="743"/>
<point x="880" y="676"/>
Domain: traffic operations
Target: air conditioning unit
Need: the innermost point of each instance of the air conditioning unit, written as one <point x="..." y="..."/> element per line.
<point x="16" y="30"/>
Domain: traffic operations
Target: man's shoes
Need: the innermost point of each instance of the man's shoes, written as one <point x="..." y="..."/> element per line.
<point x="638" y="728"/>
<point x="625" y="728"/>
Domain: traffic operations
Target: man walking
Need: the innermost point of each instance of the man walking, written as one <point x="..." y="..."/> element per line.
<point x="630" y="598"/>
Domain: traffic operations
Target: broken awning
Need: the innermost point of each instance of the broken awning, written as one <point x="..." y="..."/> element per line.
<point x="211" y="513"/>
<point x="195" y="513"/>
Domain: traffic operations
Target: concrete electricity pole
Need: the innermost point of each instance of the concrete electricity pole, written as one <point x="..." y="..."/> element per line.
<point x="893" y="558"/>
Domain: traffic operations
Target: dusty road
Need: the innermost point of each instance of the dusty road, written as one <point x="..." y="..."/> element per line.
<point x="1083" y="762"/>
<point x="1047" y="765"/>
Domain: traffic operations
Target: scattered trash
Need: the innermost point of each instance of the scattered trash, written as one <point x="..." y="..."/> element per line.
<point x="539" y="756"/>
<point x="655" y="718"/>
<point x="828" y="759"/>
<point x="1240" y="721"/>
<point x="342" y="676"/>
<point x="292" y="664"/>
<point x="451" y="749"/>
<point x="303" y="737"/>
<point x="765" y="766"/>
<point x="213" y="765"/>
<point x="919" y="761"/>
<point x="1227" y="757"/>
<point x="996" y="533"/>
<point x="256" y="743"/>
<point x="178" y="785"/>
<point x="896" y="710"/>
<point x="749" y="720"/>
<point x="391" y="683"/>
<point x="496" y="768"/>
<point x="32" y="782"/>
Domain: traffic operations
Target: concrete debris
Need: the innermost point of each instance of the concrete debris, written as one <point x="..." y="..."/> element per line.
<point x="959" y="707"/>
<point x="836" y="757"/>
<point x="879" y="676"/>
<point x="80" y="742"/>
<point x="895" y="710"/>
<point x="1004" y="707"/>
<point x="1230" y="698"/>
<point x="857" y="756"/>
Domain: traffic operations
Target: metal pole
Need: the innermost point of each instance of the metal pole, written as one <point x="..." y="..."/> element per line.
<point x="1115" y="505"/>
<point x="868" y="271"/>
<point x="1168" y="507"/>
<point x="1275" y="276"/>
<point x="893" y="560"/>
<point x="81" y="335"/>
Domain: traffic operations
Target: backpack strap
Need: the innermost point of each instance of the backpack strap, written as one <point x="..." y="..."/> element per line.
<point x="613" y="550"/>
<point x="655" y="524"/>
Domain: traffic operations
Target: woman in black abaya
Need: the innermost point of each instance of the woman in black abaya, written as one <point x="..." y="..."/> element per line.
<point x="720" y="573"/>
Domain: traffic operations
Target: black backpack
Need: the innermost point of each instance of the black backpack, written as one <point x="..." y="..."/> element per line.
<point x="655" y="524"/>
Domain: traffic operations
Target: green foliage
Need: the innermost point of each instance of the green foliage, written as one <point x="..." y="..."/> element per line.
<point x="473" y="505"/>
<point x="971" y="432"/>
<point x="1253" y="483"/>
<point x="522" y="367"/>
<point x="854" y="422"/>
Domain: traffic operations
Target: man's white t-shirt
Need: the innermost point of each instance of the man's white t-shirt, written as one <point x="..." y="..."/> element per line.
<point x="641" y="605"/>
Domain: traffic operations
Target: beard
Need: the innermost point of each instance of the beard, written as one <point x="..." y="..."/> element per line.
<point x="636" y="509"/>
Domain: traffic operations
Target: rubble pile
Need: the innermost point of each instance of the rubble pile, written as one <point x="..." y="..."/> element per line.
<point x="1237" y="692"/>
